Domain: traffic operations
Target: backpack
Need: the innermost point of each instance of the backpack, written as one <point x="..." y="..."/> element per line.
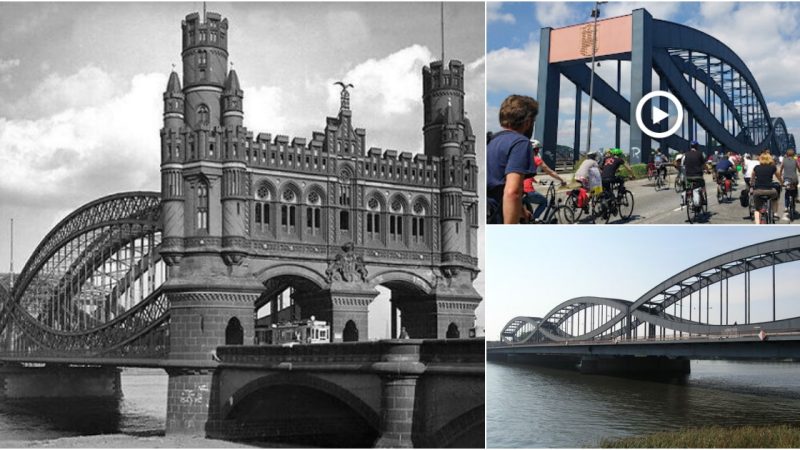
<point x="583" y="197"/>
<point x="744" y="198"/>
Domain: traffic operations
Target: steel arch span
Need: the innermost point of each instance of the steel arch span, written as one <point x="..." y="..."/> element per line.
<point x="673" y="309"/>
<point x="716" y="89"/>
<point x="92" y="286"/>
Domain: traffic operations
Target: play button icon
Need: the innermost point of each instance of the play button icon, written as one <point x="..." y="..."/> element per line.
<point x="658" y="115"/>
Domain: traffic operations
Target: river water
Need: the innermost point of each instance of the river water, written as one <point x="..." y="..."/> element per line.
<point x="529" y="406"/>
<point x="141" y="412"/>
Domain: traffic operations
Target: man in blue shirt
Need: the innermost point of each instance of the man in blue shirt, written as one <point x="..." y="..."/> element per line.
<point x="509" y="159"/>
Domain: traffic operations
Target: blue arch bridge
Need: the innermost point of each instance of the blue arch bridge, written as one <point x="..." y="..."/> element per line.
<point x="703" y="312"/>
<point x="724" y="107"/>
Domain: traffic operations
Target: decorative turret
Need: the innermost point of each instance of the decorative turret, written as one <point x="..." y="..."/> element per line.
<point x="172" y="204"/>
<point x="205" y="64"/>
<point x="173" y="103"/>
<point x="443" y="99"/>
<point x="232" y="101"/>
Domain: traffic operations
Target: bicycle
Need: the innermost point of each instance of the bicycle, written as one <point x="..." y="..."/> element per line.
<point x="765" y="212"/>
<point x="791" y="193"/>
<point x="693" y="208"/>
<point x="660" y="181"/>
<point x="680" y="181"/>
<point x="554" y="212"/>
<point x="724" y="188"/>
<point x="589" y="207"/>
<point x="617" y="201"/>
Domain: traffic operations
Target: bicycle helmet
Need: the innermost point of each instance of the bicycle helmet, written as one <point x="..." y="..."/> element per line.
<point x="592" y="155"/>
<point x="536" y="144"/>
<point x="695" y="144"/>
<point x="616" y="152"/>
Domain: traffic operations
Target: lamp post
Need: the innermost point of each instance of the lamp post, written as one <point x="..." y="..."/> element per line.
<point x="595" y="15"/>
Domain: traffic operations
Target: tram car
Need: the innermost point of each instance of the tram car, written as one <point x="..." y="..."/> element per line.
<point x="309" y="331"/>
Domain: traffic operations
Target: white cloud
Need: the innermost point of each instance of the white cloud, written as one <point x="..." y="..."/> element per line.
<point x="386" y="98"/>
<point x="493" y="14"/>
<point x="87" y="87"/>
<point x="659" y="10"/>
<point x="513" y="70"/>
<point x="556" y="14"/>
<point x="84" y="152"/>
<point x="8" y="64"/>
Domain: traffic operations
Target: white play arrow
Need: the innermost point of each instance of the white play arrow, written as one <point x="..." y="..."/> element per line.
<point x="659" y="115"/>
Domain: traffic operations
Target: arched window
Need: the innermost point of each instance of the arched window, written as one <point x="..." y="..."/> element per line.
<point x="418" y="222"/>
<point x="202" y="58"/>
<point x="452" y="331"/>
<point x="373" y="219"/>
<point x="234" y="333"/>
<point x="202" y="206"/>
<point x="350" y="333"/>
<point x="203" y="115"/>
<point x="288" y="211"/>
<point x="396" y="221"/>
<point x="262" y="208"/>
<point x="314" y="213"/>
<point x="345" y="201"/>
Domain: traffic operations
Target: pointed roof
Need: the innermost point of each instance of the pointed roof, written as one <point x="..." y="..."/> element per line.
<point x="174" y="83"/>
<point x="232" y="83"/>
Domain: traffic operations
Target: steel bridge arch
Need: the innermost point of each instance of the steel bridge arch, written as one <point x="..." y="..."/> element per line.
<point x="651" y="307"/>
<point x="739" y="121"/>
<point x="63" y="268"/>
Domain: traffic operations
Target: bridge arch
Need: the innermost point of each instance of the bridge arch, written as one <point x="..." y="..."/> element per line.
<point x="402" y="280"/>
<point x="662" y="307"/>
<point x="311" y="388"/>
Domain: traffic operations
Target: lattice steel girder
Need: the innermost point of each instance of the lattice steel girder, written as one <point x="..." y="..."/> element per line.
<point x="130" y="207"/>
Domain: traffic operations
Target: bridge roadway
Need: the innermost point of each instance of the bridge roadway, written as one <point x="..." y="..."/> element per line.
<point x="663" y="207"/>
<point x="390" y="393"/>
<point x="647" y="357"/>
<point x="741" y="347"/>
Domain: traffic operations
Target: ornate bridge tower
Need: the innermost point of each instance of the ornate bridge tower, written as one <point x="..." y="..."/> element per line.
<point x="211" y="291"/>
<point x="248" y="218"/>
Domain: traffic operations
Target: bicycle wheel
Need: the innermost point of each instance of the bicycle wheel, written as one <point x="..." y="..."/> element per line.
<point x="564" y="215"/>
<point x="679" y="185"/>
<point x="720" y="194"/>
<point x="659" y="183"/>
<point x="572" y="203"/>
<point x="792" y="208"/>
<point x="704" y="202"/>
<point x="625" y="205"/>
<point x="689" y="208"/>
<point x="770" y="217"/>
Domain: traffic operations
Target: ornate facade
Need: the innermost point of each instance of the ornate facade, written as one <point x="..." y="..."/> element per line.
<point x="253" y="214"/>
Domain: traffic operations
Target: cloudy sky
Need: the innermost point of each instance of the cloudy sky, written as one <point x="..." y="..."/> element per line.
<point x="763" y="34"/>
<point x="81" y="86"/>
<point x="529" y="276"/>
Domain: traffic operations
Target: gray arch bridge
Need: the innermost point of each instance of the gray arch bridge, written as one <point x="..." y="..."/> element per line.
<point x="704" y="312"/>
<point x="715" y="87"/>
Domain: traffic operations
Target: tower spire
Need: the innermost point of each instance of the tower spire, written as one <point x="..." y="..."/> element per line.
<point x="442" y="16"/>
<point x="204" y="12"/>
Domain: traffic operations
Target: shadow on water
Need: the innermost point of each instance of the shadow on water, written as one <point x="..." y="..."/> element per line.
<point x="529" y="406"/>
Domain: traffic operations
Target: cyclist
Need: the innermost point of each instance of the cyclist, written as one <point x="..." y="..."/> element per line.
<point x="762" y="183"/>
<point x="679" y="163"/>
<point x="659" y="161"/>
<point x="788" y="171"/>
<point x="749" y="165"/>
<point x="693" y="163"/>
<point x="610" y="166"/>
<point x="529" y="185"/>
<point x="725" y="169"/>
<point x="583" y="172"/>
<point x="508" y="159"/>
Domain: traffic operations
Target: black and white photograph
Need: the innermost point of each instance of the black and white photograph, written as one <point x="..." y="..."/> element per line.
<point x="242" y="224"/>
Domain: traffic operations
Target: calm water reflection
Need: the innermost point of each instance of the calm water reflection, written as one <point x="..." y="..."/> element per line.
<point x="529" y="406"/>
<point x="141" y="412"/>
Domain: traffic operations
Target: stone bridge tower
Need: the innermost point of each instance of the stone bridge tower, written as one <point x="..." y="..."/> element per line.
<point x="247" y="217"/>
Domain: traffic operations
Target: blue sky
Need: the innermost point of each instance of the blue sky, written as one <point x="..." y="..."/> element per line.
<point x="532" y="271"/>
<point x="763" y="34"/>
